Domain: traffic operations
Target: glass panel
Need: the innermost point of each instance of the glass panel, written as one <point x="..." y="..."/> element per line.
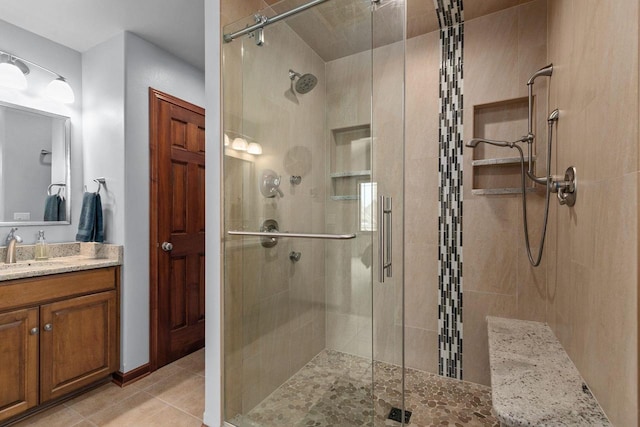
<point x="388" y="154"/>
<point x="302" y="334"/>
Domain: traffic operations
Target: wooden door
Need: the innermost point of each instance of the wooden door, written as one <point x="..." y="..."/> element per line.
<point x="18" y="362"/>
<point x="78" y="340"/>
<point x="177" y="228"/>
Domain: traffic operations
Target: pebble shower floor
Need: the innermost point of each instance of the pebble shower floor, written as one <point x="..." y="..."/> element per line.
<point x="334" y="389"/>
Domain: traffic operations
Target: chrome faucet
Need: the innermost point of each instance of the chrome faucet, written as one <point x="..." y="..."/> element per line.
<point x="12" y="241"/>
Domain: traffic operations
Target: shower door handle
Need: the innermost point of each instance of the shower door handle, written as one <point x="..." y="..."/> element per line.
<point x="385" y="238"/>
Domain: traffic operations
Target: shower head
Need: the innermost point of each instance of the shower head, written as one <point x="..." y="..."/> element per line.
<point x="305" y="83"/>
<point x="553" y="116"/>
<point x="544" y="71"/>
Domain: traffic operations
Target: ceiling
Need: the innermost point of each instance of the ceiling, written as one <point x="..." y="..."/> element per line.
<point x="176" y="26"/>
<point x="336" y="29"/>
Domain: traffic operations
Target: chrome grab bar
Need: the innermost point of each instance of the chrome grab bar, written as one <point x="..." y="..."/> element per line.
<point x="292" y="235"/>
<point x="385" y="238"/>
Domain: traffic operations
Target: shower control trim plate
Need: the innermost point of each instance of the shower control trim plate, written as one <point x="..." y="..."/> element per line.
<point x="566" y="188"/>
<point x="269" y="226"/>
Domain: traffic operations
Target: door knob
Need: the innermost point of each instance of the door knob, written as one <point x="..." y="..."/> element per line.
<point x="34" y="331"/>
<point x="48" y="327"/>
<point x="167" y="246"/>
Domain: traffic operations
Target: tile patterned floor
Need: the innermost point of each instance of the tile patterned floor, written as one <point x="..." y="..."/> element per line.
<point x="334" y="390"/>
<point x="172" y="396"/>
<point x="331" y="390"/>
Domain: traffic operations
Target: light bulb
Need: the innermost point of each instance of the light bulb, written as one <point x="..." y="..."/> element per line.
<point x="59" y="90"/>
<point x="239" y="144"/>
<point x="254" y="148"/>
<point x="11" y="76"/>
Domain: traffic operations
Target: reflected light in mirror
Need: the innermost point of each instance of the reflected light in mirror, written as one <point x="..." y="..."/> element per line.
<point x="12" y="77"/>
<point x="254" y="148"/>
<point x="239" y="144"/>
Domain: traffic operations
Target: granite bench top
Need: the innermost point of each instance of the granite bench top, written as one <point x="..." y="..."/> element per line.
<point x="533" y="380"/>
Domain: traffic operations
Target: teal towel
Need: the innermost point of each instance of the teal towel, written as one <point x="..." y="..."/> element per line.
<point x="98" y="230"/>
<point x="62" y="209"/>
<point x="91" y="226"/>
<point x="51" y="208"/>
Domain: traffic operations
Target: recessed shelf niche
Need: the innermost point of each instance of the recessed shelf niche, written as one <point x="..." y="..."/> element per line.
<point x="350" y="161"/>
<point x="496" y="170"/>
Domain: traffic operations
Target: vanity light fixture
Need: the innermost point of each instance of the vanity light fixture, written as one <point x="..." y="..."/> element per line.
<point x="13" y="70"/>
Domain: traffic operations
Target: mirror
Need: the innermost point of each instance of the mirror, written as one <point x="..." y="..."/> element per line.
<point x="34" y="167"/>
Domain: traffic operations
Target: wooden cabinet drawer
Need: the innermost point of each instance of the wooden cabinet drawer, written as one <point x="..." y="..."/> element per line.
<point x="38" y="290"/>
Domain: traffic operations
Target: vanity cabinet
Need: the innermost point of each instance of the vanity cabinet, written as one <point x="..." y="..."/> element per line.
<point x="18" y="361"/>
<point x="58" y="340"/>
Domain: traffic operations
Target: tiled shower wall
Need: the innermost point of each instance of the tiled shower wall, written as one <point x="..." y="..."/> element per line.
<point x="498" y="279"/>
<point x="593" y="283"/>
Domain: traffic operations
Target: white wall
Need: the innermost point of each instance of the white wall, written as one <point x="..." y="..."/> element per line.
<point x="103" y="115"/>
<point x="118" y="74"/>
<point x="213" y="370"/>
<point x="66" y="62"/>
<point x="146" y="66"/>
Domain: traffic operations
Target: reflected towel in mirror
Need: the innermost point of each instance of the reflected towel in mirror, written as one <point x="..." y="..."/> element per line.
<point x="54" y="208"/>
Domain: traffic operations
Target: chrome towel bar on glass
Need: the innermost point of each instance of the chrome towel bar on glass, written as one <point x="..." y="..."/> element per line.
<point x="293" y="235"/>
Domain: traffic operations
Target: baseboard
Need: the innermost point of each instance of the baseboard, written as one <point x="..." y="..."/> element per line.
<point x="124" y="379"/>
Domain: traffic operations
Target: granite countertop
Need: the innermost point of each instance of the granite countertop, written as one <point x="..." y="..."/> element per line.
<point x="63" y="258"/>
<point x="533" y="380"/>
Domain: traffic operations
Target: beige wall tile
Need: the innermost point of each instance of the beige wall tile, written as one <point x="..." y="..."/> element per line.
<point x="593" y="286"/>
<point x="419" y="345"/>
<point x="478" y="306"/>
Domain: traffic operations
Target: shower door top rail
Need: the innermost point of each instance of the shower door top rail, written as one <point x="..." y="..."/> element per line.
<point x="293" y="235"/>
<point x="265" y="21"/>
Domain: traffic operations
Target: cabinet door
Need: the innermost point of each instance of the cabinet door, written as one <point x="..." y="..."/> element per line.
<point x="18" y="362"/>
<point x="78" y="343"/>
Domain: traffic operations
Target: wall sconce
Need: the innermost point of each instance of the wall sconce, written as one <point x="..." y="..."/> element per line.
<point x="13" y="70"/>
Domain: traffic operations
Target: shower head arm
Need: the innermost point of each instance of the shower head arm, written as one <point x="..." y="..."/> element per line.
<point x="294" y="74"/>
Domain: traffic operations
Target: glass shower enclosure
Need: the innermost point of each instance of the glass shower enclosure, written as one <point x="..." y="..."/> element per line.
<point x="313" y="119"/>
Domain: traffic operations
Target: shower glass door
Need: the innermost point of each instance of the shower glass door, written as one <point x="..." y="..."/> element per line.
<point x="313" y="138"/>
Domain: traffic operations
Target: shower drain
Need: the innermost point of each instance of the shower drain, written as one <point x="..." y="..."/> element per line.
<point x="396" y="415"/>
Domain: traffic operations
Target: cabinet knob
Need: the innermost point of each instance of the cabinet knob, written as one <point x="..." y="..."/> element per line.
<point x="34" y="331"/>
<point x="48" y="327"/>
<point x="167" y="246"/>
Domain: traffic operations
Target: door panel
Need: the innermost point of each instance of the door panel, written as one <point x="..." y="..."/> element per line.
<point x="178" y="197"/>
<point x="18" y="362"/>
<point x="79" y="338"/>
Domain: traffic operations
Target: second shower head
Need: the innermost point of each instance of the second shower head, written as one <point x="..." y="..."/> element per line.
<point x="305" y="83"/>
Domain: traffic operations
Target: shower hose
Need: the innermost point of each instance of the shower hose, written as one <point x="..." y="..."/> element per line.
<point x="523" y="181"/>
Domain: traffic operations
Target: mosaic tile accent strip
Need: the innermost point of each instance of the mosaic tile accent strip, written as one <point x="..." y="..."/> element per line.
<point x="334" y="389"/>
<point x="451" y="20"/>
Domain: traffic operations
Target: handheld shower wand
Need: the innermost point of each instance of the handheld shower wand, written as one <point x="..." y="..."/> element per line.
<point x="565" y="188"/>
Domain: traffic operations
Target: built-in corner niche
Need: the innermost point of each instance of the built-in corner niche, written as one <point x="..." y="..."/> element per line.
<point x="350" y="163"/>
<point x="496" y="170"/>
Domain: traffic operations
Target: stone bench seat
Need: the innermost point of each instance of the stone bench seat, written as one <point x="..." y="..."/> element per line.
<point x="533" y="380"/>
